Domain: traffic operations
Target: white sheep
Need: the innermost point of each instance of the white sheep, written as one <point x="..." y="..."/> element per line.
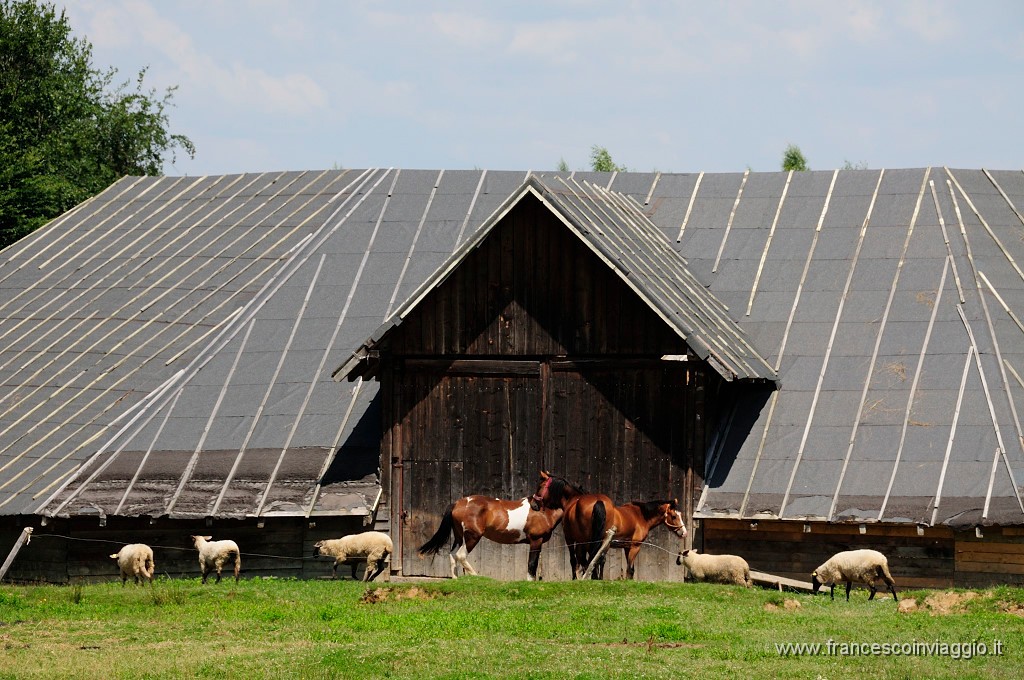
<point x="373" y="545"/>
<point x="213" y="555"/>
<point x="136" y="561"/>
<point x="716" y="568"/>
<point x="863" y="566"/>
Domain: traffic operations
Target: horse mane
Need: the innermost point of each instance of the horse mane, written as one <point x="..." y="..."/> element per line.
<point x="558" y="486"/>
<point x="651" y="509"/>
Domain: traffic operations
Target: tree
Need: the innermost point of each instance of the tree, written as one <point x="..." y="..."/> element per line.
<point x="562" y="165"/>
<point x="66" y="131"/>
<point x="601" y="160"/>
<point x="793" y="159"/>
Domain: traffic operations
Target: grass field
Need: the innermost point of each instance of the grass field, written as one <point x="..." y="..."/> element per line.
<point x="476" y="627"/>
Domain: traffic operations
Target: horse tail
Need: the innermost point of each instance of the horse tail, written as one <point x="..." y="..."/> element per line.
<point x="598" y="518"/>
<point x="440" y="537"/>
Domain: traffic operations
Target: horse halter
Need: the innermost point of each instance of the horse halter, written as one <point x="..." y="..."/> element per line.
<point x="542" y="494"/>
<point x="678" y="529"/>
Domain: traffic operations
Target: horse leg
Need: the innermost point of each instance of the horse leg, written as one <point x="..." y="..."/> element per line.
<point x="463" y="553"/>
<point x="574" y="561"/>
<point x="631" y="554"/>
<point x="535" y="545"/>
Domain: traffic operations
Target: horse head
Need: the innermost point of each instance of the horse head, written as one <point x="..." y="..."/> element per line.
<point x="674" y="518"/>
<point x="554" y="492"/>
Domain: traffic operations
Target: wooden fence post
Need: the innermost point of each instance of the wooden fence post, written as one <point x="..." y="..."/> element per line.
<point x="26" y="536"/>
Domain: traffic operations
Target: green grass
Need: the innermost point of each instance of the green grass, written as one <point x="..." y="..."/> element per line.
<point x="478" y="628"/>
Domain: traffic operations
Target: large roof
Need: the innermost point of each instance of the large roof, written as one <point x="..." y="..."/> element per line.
<point x="166" y="347"/>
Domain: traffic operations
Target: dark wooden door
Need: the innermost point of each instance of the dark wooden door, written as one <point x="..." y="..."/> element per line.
<point x="632" y="432"/>
<point x="467" y="434"/>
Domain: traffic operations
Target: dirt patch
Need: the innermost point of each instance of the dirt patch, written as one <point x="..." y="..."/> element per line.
<point x="1012" y="608"/>
<point x="948" y="602"/>
<point x="376" y="595"/>
<point x="907" y="605"/>
<point x="650" y="644"/>
<point x="788" y="605"/>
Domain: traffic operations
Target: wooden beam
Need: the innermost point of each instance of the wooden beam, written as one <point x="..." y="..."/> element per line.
<point x="25" y="537"/>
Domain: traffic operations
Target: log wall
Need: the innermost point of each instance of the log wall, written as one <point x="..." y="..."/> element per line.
<point x="78" y="549"/>
<point x="940" y="557"/>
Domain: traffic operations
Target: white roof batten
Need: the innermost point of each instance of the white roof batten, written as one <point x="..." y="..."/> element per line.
<point x="878" y="342"/>
<point x="771" y="234"/>
<point x="952" y="434"/>
<point x="190" y="467"/>
<point x="243" y="447"/>
<point x="689" y="208"/>
<point x="334" y="336"/>
<point x="732" y="216"/>
<point x="945" y="237"/>
<point x="789" y="325"/>
<point x="913" y="389"/>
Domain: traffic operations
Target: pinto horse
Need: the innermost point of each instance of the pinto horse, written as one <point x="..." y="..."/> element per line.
<point x="527" y="520"/>
<point x="588" y="516"/>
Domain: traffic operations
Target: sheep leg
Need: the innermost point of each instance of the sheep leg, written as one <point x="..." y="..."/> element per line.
<point x="334" y="573"/>
<point x="380" y="564"/>
<point x="206" y="572"/>
<point x="883" y="571"/>
<point x="892" y="589"/>
<point x="873" y="591"/>
<point x="849" y="584"/>
<point x="238" y="565"/>
<point x="353" y="564"/>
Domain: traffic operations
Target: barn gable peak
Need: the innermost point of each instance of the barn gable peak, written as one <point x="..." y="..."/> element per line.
<point x="615" y="228"/>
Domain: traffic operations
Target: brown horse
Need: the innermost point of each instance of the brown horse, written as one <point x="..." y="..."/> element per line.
<point x="588" y="516"/>
<point x="527" y="520"/>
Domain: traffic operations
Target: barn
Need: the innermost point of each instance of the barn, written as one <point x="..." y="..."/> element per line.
<point x="807" y="361"/>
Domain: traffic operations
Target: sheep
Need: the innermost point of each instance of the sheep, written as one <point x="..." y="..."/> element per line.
<point x="716" y="568"/>
<point x="373" y="545"/>
<point x="135" y="560"/>
<point x="213" y="555"/>
<point x="854" y="565"/>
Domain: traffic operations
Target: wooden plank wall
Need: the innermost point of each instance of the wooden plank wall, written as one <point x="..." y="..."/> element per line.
<point x="784" y="549"/>
<point x="282" y="547"/>
<point x="940" y="558"/>
<point x="533" y="289"/>
<point x="995" y="557"/>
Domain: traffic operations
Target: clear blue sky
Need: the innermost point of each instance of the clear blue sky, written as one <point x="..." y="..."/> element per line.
<point x="671" y="86"/>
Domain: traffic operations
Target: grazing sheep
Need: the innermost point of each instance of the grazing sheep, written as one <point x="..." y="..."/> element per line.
<point x="136" y="561"/>
<point x="716" y="568"/>
<point x="373" y="545"/>
<point x="863" y="566"/>
<point x="213" y="555"/>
